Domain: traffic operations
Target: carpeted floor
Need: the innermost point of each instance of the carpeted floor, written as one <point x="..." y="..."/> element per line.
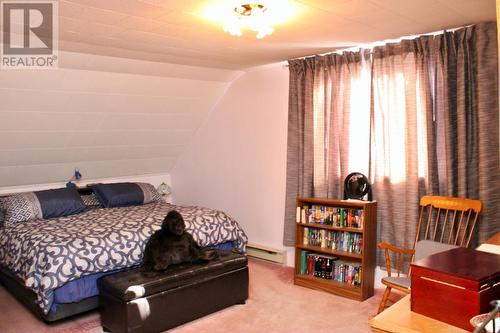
<point x="275" y="305"/>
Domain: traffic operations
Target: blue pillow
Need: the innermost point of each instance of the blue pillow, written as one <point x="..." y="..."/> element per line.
<point x="125" y="194"/>
<point x="60" y="202"/>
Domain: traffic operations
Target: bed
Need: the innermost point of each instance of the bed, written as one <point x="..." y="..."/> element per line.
<point x="52" y="265"/>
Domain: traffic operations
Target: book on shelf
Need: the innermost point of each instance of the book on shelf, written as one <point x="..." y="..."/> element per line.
<point x="330" y="268"/>
<point x="344" y="241"/>
<point x="305" y="239"/>
<point x="303" y="262"/>
<point x="348" y="273"/>
<point x="320" y="266"/>
<point x="334" y="216"/>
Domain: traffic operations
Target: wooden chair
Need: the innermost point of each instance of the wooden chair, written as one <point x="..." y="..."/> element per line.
<point x="443" y="223"/>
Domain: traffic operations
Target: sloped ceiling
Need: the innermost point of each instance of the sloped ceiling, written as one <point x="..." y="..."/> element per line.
<point x="176" y="31"/>
<point x="133" y="118"/>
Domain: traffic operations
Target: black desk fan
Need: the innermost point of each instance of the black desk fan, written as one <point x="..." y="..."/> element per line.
<point x="357" y="186"/>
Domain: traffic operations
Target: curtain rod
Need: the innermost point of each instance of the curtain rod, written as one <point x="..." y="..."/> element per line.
<point x="385" y="42"/>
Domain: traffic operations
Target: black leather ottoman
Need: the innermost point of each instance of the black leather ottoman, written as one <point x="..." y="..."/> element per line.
<point x="136" y="301"/>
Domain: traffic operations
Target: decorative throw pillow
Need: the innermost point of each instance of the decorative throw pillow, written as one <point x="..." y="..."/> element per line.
<point x="125" y="194"/>
<point x="41" y="205"/>
<point x="90" y="200"/>
<point x="150" y="193"/>
<point x="21" y="207"/>
<point x="60" y="202"/>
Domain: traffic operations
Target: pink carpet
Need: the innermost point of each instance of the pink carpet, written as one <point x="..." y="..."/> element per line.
<point x="275" y="305"/>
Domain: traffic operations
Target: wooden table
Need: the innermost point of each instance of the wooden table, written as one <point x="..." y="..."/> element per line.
<point x="495" y="239"/>
<point x="491" y="245"/>
<point x="399" y="318"/>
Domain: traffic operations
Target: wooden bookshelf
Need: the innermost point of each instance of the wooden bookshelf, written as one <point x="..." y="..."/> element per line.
<point x="362" y="253"/>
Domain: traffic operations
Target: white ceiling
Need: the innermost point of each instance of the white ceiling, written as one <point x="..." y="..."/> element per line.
<point x="175" y="31"/>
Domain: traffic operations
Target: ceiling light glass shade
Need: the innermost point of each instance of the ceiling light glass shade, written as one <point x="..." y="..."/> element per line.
<point x="259" y="16"/>
<point x="251" y="16"/>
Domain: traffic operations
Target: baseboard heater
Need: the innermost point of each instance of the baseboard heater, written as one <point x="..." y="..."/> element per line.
<point x="266" y="253"/>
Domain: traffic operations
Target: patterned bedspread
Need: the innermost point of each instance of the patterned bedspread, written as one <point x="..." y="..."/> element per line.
<point x="46" y="254"/>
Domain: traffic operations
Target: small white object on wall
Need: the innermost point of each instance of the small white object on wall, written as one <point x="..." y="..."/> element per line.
<point x="164" y="189"/>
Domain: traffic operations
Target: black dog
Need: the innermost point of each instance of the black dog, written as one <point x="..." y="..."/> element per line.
<point x="172" y="245"/>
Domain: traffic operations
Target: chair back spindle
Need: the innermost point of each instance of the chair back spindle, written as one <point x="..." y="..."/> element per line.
<point x="447" y="220"/>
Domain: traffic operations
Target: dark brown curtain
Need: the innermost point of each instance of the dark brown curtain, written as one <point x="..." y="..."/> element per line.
<point x="467" y="121"/>
<point x="424" y="121"/>
<point x="317" y="155"/>
<point x="300" y="146"/>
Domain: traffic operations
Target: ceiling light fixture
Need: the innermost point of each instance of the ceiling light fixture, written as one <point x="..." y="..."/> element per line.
<point x="251" y="16"/>
<point x="260" y="16"/>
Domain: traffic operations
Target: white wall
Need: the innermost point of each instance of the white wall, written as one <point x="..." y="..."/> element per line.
<point x="237" y="160"/>
<point x="110" y="117"/>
